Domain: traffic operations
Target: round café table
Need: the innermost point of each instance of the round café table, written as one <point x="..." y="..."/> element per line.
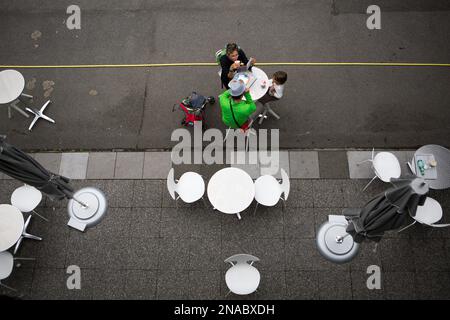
<point x="442" y="157"/>
<point x="256" y="91"/>
<point x="12" y="84"/>
<point x="11" y="226"/>
<point x="231" y="191"/>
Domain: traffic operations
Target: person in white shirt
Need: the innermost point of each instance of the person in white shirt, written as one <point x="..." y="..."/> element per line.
<point x="275" y="92"/>
<point x="276" y="87"/>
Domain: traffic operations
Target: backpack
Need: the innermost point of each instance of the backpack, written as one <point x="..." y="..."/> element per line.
<point x="220" y="53"/>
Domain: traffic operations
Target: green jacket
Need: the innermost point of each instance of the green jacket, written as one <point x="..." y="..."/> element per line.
<point x="242" y="110"/>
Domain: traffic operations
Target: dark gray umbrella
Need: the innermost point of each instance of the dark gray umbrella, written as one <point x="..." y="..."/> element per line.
<point x="389" y="210"/>
<point x="19" y="165"/>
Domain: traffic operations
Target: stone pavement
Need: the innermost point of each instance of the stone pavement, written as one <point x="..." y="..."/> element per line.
<point x="146" y="249"/>
<point x="324" y="164"/>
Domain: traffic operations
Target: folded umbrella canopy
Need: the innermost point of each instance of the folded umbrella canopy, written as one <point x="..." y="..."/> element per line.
<point x="19" y="165"/>
<point x="387" y="211"/>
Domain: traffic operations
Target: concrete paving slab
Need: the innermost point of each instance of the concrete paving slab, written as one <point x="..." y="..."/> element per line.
<point x="157" y="165"/>
<point x="205" y="285"/>
<point x="173" y="285"/>
<point x="360" y="290"/>
<point x="50" y="160"/>
<point x="101" y="165"/>
<point x="302" y="285"/>
<point x="335" y="285"/>
<point x="400" y="285"/>
<point x="140" y="285"/>
<point x="357" y="169"/>
<point x="328" y="194"/>
<point x="272" y="162"/>
<point x="304" y="164"/>
<point x="74" y="165"/>
<point x="129" y="165"/>
<point x="333" y="165"/>
<point x="247" y="161"/>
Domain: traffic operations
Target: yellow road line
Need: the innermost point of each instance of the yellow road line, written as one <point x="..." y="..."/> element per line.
<point x="207" y="64"/>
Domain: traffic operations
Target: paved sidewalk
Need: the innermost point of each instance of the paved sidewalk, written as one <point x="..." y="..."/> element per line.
<point x="324" y="164"/>
<point x="146" y="249"/>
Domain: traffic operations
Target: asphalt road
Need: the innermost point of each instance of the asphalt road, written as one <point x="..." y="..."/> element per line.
<point x="323" y="107"/>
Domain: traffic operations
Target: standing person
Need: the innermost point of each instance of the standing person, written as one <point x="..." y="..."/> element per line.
<point x="231" y="61"/>
<point x="235" y="110"/>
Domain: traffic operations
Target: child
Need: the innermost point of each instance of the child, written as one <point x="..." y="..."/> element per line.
<point x="275" y="92"/>
<point x="276" y="87"/>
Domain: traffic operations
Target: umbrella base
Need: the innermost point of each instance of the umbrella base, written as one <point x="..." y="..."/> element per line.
<point x="89" y="215"/>
<point x="333" y="241"/>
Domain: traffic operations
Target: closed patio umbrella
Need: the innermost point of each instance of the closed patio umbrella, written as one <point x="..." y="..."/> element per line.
<point x="338" y="238"/>
<point x="21" y="166"/>
<point x="86" y="206"/>
<point x="389" y="210"/>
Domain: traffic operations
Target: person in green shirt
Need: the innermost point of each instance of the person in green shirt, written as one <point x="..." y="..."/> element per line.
<point x="235" y="110"/>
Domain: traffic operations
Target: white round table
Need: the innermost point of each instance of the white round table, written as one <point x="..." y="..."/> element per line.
<point x="430" y="212"/>
<point x="267" y="190"/>
<point x="191" y="187"/>
<point x="12" y="84"/>
<point x="6" y="264"/>
<point x="26" y="198"/>
<point x="242" y="279"/>
<point x="256" y="91"/>
<point x="386" y="166"/>
<point x="231" y="190"/>
<point x="442" y="157"/>
<point x="11" y="226"/>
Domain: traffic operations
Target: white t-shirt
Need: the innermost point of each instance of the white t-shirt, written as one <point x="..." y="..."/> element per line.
<point x="278" y="89"/>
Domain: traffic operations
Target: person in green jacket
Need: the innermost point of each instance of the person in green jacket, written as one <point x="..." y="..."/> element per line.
<point x="235" y="110"/>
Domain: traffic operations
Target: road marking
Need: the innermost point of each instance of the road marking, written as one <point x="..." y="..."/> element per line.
<point x="211" y="64"/>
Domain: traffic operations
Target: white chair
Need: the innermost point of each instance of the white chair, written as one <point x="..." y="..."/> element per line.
<point x="247" y="132"/>
<point x="242" y="278"/>
<point x="268" y="109"/>
<point x="217" y="55"/>
<point x="25" y="235"/>
<point x="428" y="214"/>
<point x="385" y="166"/>
<point x="268" y="191"/>
<point x="6" y="266"/>
<point x="189" y="188"/>
<point x="14" y="105"/>
<point x="26" y="199"/>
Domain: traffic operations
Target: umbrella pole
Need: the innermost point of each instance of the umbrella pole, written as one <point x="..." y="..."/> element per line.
<point x="340" y="239"/>
<point x="85" y="206"/>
